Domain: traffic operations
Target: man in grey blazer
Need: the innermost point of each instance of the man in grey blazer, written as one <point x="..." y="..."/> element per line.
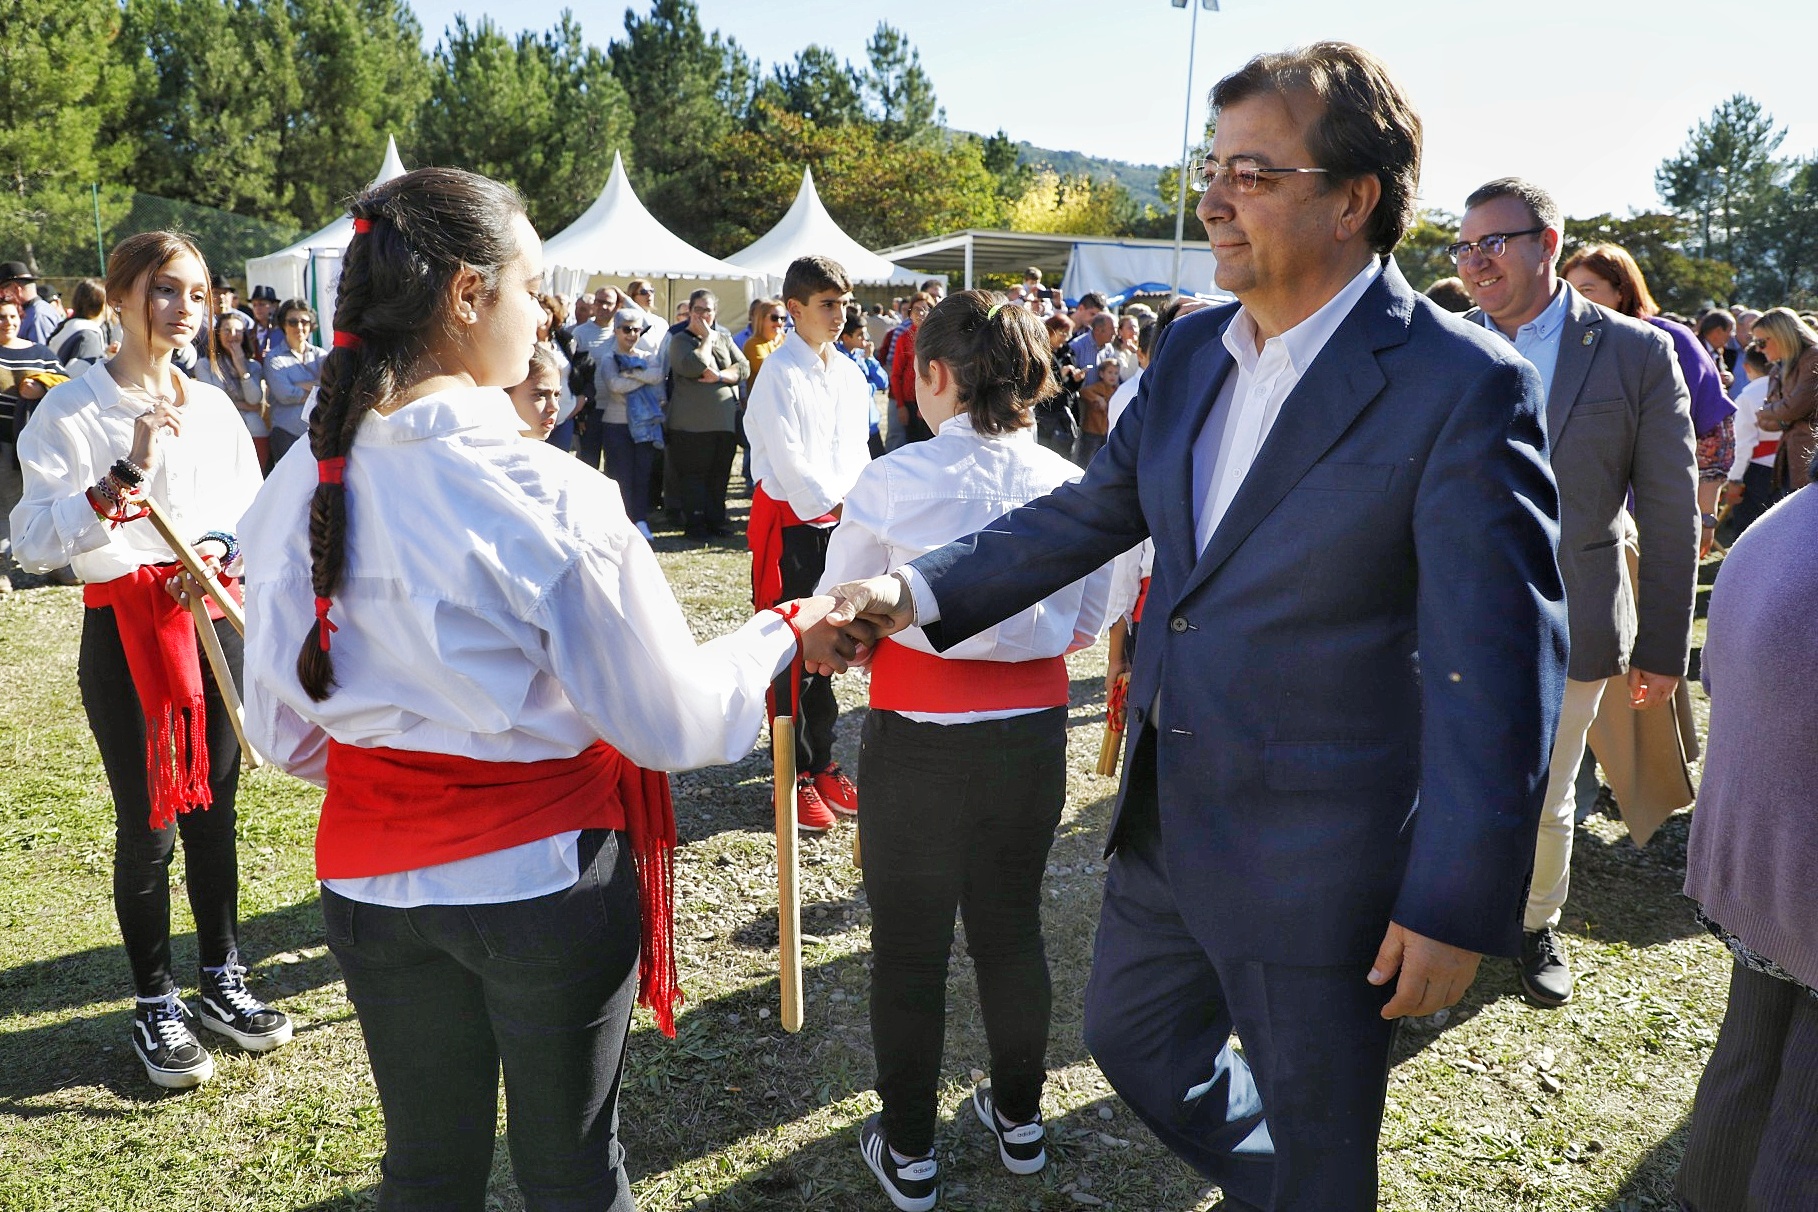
<point x="1618" y="422"/>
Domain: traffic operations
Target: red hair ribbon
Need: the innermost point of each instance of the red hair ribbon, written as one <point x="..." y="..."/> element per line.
<point x="331" y="471"/>
<point x="323" y="625"/>
<point x="347" y="340"/>
<point x="362" y="225"/>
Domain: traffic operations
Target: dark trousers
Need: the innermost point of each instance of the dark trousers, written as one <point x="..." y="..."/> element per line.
<point x="703" y="468"/>
<point x="1758" y="496"/>
<point x="1086" y="445"/>
<point x="804" y="560"/>
<point x="589" y="436"/>
<point x="1753" y="1144"/>
<point x="629" y="463"/>
<point x="448" y="995"/>
<point x="1289" y="1126"/>
<point x="958" y="816"/>
<point x="281" y="441"/>
<point x="142" y="855"/>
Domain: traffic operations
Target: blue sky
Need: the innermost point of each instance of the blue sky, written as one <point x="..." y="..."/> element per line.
<point x="1584" y="98"/>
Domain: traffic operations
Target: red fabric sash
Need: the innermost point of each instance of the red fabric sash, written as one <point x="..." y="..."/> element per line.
<point x="1766" y="448"/>
<point x="390" y="810"/>
<point x="1142" y="599"/>
<point x="764" y="535"/>
<point x="908" y="679"/>
<point x="161" y="654"/>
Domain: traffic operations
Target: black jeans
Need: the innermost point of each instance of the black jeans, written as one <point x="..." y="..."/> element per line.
<point x="629" y="464"/>
<point x="142" y="855"/>
<point x="447" y="995"/>
<point x="804" y="560"/>
<point x="589" y="435"/>
<point x="703" y="468"/>
<point x="958" y="816"/>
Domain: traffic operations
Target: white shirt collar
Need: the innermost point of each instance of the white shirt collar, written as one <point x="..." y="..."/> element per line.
<point x="1546" y="323"/>
<point x="442" y="413"/>
<point x="961" y="423"/>
<point x="1303" y="342"/>
<point x="796" y="349"/>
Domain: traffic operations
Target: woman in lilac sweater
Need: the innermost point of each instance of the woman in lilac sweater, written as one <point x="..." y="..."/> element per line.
<point x="1753" y="869"/>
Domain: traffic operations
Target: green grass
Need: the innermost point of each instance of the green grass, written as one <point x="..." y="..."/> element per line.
<point x="1500" y="1107"/>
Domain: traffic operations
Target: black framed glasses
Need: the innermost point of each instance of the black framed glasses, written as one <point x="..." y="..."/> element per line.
<point x="1491" y="246"/>
<point x="1242" y="173"/>
<point x="630" y="328"/>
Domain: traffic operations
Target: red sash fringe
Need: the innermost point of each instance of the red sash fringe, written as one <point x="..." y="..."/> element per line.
<point x="161" y="654"/>
<point x="390" y="810"/>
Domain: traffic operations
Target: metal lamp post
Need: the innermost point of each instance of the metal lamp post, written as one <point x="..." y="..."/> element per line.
<point x="1186" y="130"/>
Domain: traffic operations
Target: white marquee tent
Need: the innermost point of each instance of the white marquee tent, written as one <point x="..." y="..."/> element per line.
<point x="310" y="269"/>
<point x="806" y="230"/>
<point x="618" y="238"/>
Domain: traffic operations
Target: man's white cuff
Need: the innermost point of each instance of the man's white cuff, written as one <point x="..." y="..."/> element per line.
<point x="927" y="610"/>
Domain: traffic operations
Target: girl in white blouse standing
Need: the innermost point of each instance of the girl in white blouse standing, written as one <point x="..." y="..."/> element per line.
<point x="130" y="426"/>
<point x="462" y="636"/>
<point x="963" y="758"/>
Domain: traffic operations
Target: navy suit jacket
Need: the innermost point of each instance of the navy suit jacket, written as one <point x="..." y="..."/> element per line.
<point x="1356" y="684"/>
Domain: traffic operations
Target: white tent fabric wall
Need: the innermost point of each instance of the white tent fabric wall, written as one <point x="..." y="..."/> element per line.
<point x="1112" y="268"/>
<point x="617" y="238"/>
<point x="310" y="269"/>
<point x="806" y="229"/>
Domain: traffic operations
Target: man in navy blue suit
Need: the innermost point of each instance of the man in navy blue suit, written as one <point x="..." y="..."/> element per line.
<point x="1353" y="658"/>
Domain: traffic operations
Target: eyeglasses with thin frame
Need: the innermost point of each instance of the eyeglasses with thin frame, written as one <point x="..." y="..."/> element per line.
<point x="1242" y="173"/>
<point x="1491" y="246"/>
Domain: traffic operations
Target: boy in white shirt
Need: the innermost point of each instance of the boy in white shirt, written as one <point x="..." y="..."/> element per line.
<point x="1750" y="492"/>
<point x="809" y="423"/>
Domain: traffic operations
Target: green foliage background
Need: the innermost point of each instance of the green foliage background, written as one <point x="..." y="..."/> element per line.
<point x="276" y="110"/>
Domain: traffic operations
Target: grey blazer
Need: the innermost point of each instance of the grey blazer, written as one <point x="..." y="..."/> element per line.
<point x="1619" y="419"/>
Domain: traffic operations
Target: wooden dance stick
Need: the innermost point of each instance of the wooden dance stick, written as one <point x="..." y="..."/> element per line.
<point x="192" y="563"/>
<point x="788" y="869"/>
<point x="224" y="680"/>
<point x="1111" y="747"/>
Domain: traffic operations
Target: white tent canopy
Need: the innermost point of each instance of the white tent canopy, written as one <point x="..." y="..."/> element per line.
<point x="310" y="269"/>
<point x="808" y="230"/>
<point x="618" y="238"/>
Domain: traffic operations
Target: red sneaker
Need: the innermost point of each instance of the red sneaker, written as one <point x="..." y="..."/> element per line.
<point x="837" y="790"/>
<point x="811" y="812"/>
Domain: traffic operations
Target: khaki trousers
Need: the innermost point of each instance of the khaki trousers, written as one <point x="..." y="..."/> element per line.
<point x="1553" y="845"/>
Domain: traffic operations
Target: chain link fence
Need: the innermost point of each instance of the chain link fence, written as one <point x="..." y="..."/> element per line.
<point x="70" y="241"/>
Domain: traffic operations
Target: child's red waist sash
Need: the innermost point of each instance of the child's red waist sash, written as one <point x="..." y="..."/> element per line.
<point x="908" y="679"/>
<point x="390" y="810"/>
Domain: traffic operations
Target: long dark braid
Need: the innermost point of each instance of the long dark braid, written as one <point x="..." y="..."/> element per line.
<point x="412" y="235"/>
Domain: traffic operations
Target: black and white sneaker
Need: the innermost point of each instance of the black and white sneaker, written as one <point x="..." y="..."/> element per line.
<point x="166" y="1046"/>
<point x="912" y="1186"/>
<point x="227" y="1008"/>
<point x="1021" y="1148"/>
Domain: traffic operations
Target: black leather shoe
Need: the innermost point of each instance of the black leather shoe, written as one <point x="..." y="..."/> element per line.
<point x="1546" y="980"/>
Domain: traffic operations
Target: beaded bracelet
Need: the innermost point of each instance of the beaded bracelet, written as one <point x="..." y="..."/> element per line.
<point x="226" y="540"/>
<point x="129" y="473"/>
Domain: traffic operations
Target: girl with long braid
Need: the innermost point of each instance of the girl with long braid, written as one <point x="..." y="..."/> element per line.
<point x="473" y="649"/>
<point x="134" y="427"/>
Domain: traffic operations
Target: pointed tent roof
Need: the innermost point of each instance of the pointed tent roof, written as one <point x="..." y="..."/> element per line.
<point x="618" y="237"/>
<point x="807" y="229"/>
<point x="339" y="234"/>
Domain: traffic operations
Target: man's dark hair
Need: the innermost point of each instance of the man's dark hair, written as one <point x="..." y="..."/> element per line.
<point x="695" y="296"/>
<point x="1756" y="359"/>
<point x="1368" y="126"/>
<point x="934" y="284"/>
<point x="809" y="276"/>
<point x="1145" y="338"/>
<point x="1715" y="319"/>
<point x="1092" y="299"/>
<point x="1450" y="293"/>
<point x="1539" y="202"/>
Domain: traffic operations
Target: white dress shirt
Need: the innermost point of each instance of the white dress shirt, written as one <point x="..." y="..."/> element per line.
<point x="1251" y="397"/>
<point x="1749" y="434"/>
<point x="204" y="477"/>
<point x="1128" y="569"/>
<point x="497" y="604"/>
<point x="926" y="494"/>
<point x="809" y="424"/>
<point x="1249" y="401"/>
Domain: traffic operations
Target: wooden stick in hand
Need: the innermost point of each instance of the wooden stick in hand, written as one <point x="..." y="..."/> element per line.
<point x="788" y="888"/>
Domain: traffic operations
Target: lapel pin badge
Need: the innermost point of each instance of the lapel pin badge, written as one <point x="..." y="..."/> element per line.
<point x="1587" y="337"/>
